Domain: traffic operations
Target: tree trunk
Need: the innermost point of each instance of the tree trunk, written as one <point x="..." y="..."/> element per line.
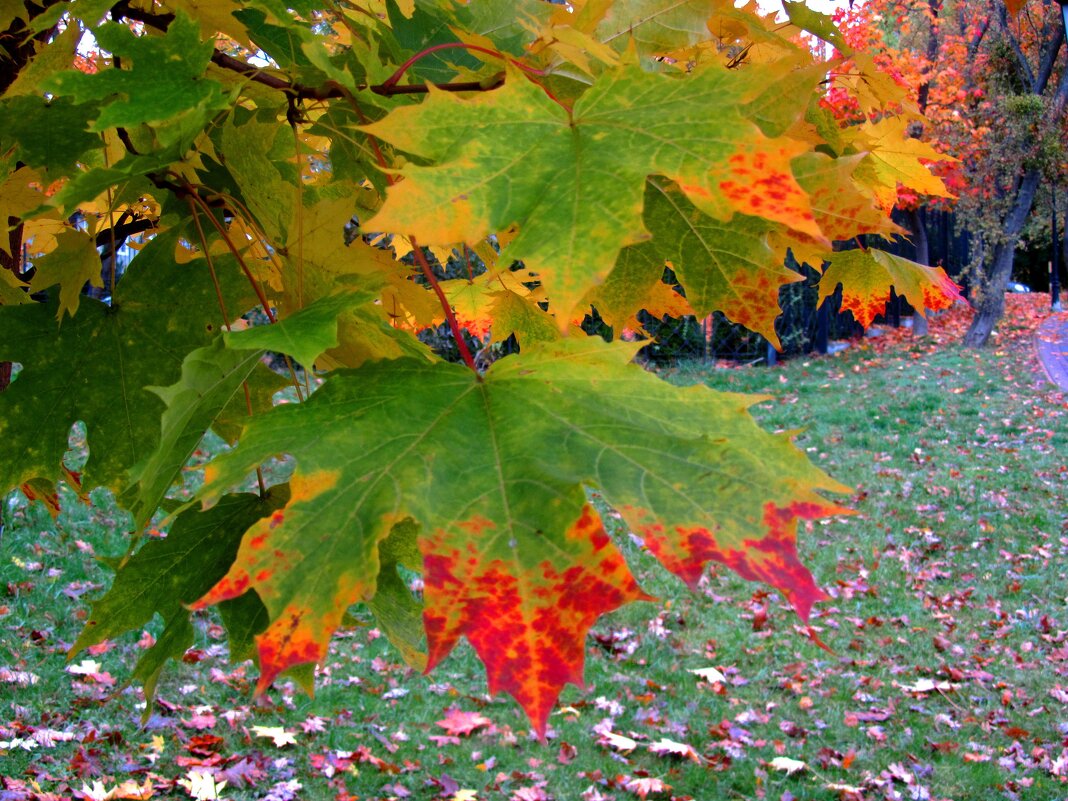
<point x="992" y="299"/>
<point x="917" y="221"/>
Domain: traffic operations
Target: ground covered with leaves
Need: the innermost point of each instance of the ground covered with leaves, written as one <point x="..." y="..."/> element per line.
<point x="947" y="627"/>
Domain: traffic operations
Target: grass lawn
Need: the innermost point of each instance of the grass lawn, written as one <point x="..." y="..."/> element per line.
<point x="947" y="674"/>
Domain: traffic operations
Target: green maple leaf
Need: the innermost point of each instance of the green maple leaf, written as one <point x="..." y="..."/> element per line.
<point x="246" y="152"/>
<point x="211" y="378"/>
<point x="574" y="179"/>
<point x="816" y="23"/>
<point x="166" y="573"/>
<point x="162" y="79"/>
<point x="725" y="267"/>
<point x="867" y="276"/>
<point x="396" y="610"/>
<point x="74" y="263"/>
<point x="210" y="390"/>
<point x="494" y="472"/>
<point x="97" y="365"/>
<point x="49" y="133"/>
<point x="654" y="27"/>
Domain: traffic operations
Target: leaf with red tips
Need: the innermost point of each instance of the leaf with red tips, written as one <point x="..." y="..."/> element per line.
<point x="725" y="267"/>
<point x="758" y="180"/>
<point x="269" y="561"/>
<point x="841" y="208"/>
<point x="772" y="559"/>
<point x="527" y="615"/>
<point x="867" y="276"/>
<point x="494" y="470"/>
<point x="573" y="178"/>
<point x="166" y="573"/>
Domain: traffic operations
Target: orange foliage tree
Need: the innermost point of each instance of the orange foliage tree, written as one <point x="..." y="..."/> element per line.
<point x="987" y="79"/>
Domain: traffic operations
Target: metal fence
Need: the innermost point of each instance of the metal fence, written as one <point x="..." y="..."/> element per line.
<point x="804" y="327"/>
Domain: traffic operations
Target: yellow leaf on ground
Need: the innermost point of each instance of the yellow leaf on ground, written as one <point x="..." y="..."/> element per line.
<point x="277" y="734"/>
<point x="787" y="765"/>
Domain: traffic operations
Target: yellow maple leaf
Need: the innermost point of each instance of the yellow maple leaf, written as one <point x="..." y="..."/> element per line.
<point x="894" y="159"/>
<point x="277" y="734"/>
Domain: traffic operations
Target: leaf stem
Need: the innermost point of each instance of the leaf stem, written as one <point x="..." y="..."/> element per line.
<point x="225" y="317"/>
<point x="420" y="257"/>
<point x="393" y="79"/>
<point x="454" y="326"/>
<point x="192" y="193"/>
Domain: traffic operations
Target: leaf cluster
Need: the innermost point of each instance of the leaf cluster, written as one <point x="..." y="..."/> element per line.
<point x="309" y="164"/>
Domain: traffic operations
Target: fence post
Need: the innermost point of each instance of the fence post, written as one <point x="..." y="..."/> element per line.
<point x="823" y="325"/>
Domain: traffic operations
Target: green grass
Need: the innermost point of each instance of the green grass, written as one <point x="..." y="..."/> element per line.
<point x="951" y="572"/>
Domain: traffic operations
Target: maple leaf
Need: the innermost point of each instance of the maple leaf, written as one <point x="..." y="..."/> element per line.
<point x="725" y="267"/>
<point x="620" y="742"/>
<point x="277" y="734"/>
<point x="49" y="133"/>
<point x="653" y="27"/>
<point x="644" y="786"/>
<point x="201" y="785"/>
<point x="816" y="23"/>
<point x="248" y="147"/>
<point x="96" y="366"/>
<point x="167" y="573"/>
<point x="179" y="95"/>
<point x="12" y="290"/>
<point x="867" y="277"/>
<point x="459" y="723"/>
<point x="841" y="207"/>
<point x="211" y="380"/>
<point x="666" y="746"/>
<point x="787" y="765"/>
<point x="574" y="179"/>
<point x="894" y="159"/>
<point x="74" y="263"/>
<point x="709" y="674"/>
<point x="398" y="613"/>
<point x="515" y="561"/>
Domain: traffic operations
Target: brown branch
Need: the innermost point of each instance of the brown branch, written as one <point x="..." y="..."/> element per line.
<point x="330" y="90"/>
<point x="122" y="231"/>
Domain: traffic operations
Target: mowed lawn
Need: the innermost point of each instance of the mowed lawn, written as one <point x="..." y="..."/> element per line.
<point x="947" y="628"/>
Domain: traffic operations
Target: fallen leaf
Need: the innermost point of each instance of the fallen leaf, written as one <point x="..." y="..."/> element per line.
<point x="790" y="766"/>
<point x="201" y="785"/>
<point x="457" y="722"/>
<point x="709" y="674"/>
<point x="646" y="786"/>
<point x="928" y="686"/>
<point x="278" y="734"/>
<point x="618" y="742"/>
<point x="664" y="746"/>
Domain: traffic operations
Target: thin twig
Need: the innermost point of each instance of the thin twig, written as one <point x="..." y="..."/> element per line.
<point x="454" y="326"/>
<point x="195" y="196"/>
<point x="225" y="317"/>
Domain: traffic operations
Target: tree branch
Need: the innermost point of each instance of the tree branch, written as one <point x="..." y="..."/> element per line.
<point x="1050" y="48"/>
<point x="977" y="39"/>
<point x="331" y="90"/>
<point x="1021" y="58"/>
<point x="122" y="231"/>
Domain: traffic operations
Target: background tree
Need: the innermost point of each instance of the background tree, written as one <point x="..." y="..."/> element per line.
<point x="993" y="92"/>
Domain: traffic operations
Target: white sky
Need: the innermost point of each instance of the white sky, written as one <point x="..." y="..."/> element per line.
<point x="826" y="6"/>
